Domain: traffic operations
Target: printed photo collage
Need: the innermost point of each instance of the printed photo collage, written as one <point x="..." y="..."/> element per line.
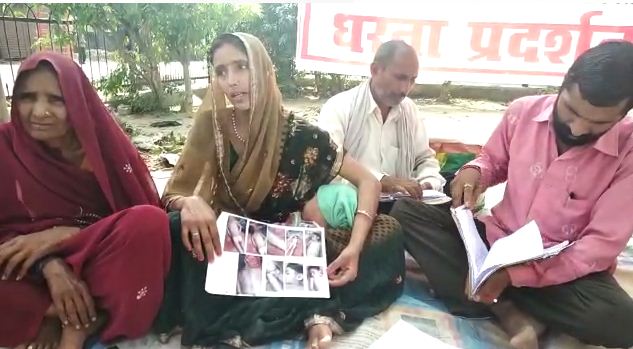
<point x="272" y="260"/>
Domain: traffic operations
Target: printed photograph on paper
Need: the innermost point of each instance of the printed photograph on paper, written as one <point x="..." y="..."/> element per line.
<point x="268" y="260"/>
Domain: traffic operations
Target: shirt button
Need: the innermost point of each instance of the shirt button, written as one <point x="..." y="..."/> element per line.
<point x="342" y="315"/>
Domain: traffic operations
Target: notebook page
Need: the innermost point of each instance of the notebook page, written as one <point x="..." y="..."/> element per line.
<point x="476" y="250"/>
<point x="481" y="278"/>
<point x="523" y="245"/>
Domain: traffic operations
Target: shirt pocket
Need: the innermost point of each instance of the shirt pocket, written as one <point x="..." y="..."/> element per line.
<point x="575" y="215"/>
<point x="559" y="216"/>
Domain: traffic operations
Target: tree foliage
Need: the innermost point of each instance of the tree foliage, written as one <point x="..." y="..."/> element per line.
<point x="188" y="28"/>
<point x="134" y="39"/>
<point x="146" y="34"/>
<point x="276" y="26"/>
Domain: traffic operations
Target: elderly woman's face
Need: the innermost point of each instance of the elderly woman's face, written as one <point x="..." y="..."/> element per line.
<point x="233" y="74"/>
<point x="41" y="106"/>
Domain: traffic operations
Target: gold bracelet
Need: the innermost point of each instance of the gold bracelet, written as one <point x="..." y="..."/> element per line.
<point x="323" y="320"/>
<point x="170" y="201"/>
<point x="366" y="214"/>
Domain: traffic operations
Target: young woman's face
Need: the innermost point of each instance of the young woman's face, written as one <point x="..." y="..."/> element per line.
<point x="41" y="106"/>
<point x="233" y="74"/>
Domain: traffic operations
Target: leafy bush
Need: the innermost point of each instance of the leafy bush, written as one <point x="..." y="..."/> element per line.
<point x="118" y="82"/>
<point x="276" y="27"/>
<point x="327" y="85"/>
<point x="120" y="90"/>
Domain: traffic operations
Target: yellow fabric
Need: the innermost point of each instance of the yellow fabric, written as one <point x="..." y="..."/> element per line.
<point x="441" y="158"/>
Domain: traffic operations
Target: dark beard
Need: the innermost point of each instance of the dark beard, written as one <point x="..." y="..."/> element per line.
<point x="563" y="132"/>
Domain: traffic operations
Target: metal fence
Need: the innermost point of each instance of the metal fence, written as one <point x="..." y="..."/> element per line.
<point x="29" y="28"/>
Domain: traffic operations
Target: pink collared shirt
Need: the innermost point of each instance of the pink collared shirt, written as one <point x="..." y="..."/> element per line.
<point x="584" y="195"/>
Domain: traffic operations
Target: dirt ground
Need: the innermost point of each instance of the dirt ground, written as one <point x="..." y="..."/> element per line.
<point x="469" y="121"/>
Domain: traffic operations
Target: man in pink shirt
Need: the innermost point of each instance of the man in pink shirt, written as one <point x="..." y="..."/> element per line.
<point x="568" y="163"/>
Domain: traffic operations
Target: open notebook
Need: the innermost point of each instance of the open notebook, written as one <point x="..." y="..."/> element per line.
<point x="522" y="246"/>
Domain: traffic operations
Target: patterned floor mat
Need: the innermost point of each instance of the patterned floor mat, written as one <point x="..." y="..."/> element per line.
<point x="418" y="307"/>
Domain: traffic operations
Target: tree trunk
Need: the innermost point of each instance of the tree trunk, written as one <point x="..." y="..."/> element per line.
<point x="317" y="83"/>
<point x="4" y="111"/>
<point x="186" y="103"/>
<point x="156" y="85"/>
<point x="445" y="93"/>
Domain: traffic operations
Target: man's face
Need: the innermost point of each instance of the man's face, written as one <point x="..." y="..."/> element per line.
<point x="392" y="82"/>
<point x="578" y="122"/>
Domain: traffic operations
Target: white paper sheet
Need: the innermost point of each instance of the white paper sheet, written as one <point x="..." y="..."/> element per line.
<point x="404" y="335"/>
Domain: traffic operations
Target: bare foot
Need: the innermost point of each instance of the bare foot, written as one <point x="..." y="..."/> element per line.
<point x="527" y="338"/>
<point x="48" y="335"/>
<point x="73" y="338"/>
<point x="319" y="337"/>
<point x="523" y="330"/>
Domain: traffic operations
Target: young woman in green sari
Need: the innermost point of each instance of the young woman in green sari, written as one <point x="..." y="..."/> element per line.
<point x="257" y="160"/>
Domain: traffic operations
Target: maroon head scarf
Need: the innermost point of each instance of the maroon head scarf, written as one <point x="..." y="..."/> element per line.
<point x="39" y="190"/>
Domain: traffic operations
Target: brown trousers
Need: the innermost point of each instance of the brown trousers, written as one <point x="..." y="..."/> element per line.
<point x="594" y="309"/>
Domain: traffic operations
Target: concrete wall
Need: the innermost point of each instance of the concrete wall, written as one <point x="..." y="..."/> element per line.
<point x="492" y="93"/>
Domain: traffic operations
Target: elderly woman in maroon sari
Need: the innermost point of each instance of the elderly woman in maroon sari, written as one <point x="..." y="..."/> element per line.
<point x="84" y="244"/>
